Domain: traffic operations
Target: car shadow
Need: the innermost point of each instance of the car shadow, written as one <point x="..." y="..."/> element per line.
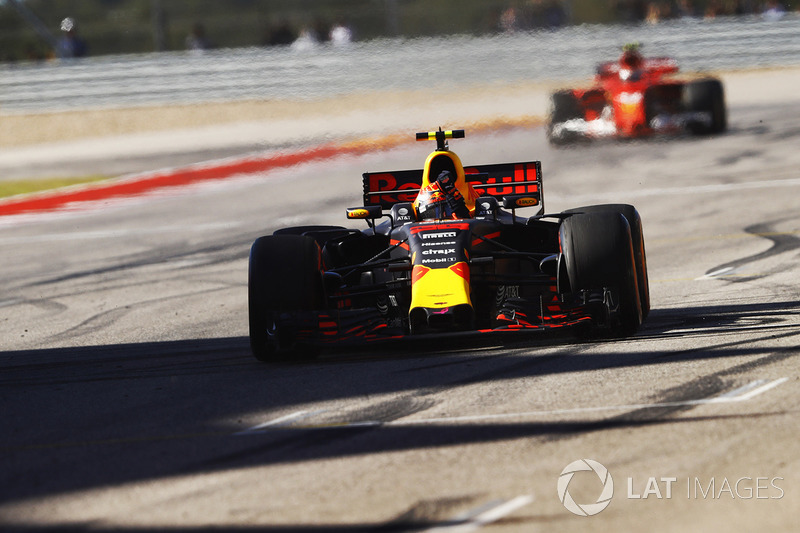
<point x="80" y="418"/>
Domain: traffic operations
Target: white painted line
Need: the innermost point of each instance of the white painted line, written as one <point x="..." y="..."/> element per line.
<point x="279" y="422"/>
<point x="763" y="388"/>
<point x="740" y="394"/>
<point x="362" y="424"/>
<point x="730" y="395"/>
<point x="493" y="515"/>
<point x="482" y="516"/>
<point x="736" y="395"/>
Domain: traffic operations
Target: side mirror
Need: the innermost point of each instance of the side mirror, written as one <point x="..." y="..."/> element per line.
<point x="515" y="201"/>
<point x="369" y="212"/>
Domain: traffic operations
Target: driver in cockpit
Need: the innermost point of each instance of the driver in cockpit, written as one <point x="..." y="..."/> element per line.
<point x="441" y="200"/>
<point x="631" y="63"/>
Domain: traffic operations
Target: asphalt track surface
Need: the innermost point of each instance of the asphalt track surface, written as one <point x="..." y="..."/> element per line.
<point x="129" y="400"/>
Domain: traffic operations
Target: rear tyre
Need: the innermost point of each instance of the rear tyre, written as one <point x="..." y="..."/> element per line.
<point x="637" y="237"/>
<point x="706" y="96"/>
<point x="284" y="277"/>
<point x="598" y="254"/>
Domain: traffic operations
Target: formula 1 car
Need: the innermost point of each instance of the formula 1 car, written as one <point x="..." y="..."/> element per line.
<point x="633" y="98"/>
<point x="446" y="250"/>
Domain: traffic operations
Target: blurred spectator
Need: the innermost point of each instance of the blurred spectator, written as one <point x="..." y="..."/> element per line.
<point x="655" y="12"/>
<point x="508" y="20"/>
<point x="307" y="40"/>
<point x="197" y="40"/>
<point x="533" y="14"/>
<point x="340" y="34"/>
<point x="773" y="11"/>
<point x="70" y="45"/>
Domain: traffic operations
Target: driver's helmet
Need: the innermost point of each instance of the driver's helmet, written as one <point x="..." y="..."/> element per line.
<point x="68" y="25"/>
<point x="631" y="58"/>
<point x="441" y="199"/>
<point x="630" y="63"/>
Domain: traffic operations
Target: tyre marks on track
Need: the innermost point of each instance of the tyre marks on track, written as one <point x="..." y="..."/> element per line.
<point x="739" y="394"/>
<point x="782" y="243"/>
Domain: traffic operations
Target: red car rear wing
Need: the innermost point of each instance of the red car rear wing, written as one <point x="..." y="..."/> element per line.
<point x="498" y="180"/>
<point x="653" y="66"/>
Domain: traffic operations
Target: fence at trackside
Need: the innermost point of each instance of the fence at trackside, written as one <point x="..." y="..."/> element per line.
<point x="567" y="53"/>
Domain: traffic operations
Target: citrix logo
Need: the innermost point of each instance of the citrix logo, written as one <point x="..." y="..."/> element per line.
<point x="585" y="509"/>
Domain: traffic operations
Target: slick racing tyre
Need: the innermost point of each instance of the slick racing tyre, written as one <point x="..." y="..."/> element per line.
<point x="284" y="277"/>
<point x="598" y="254"/>
<point x="706" y="96"/>
<point x="637" y="237"/>
<point x="564" y="106"/>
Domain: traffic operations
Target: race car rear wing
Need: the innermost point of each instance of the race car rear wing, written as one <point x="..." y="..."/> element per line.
<point x="503" y="180"/>
<point x="652" y="65"/>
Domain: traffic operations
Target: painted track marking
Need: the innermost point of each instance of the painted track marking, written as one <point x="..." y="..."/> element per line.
<point x="761" y="386"/>
<point x="481" y="516"/>
<point x="740" y="394"/>
<point x="279" y="422"/>
<point x="737" y="395"/>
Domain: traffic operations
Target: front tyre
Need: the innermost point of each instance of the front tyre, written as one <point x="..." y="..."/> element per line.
<point x="707" y="97"/>
<point x="564" y="106"/>
<point x="637" y="237"/>
<point x="284" y="277"/>
<point x="598" y="255"/>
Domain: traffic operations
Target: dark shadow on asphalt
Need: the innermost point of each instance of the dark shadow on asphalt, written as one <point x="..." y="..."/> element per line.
<point x="88" y="417"/>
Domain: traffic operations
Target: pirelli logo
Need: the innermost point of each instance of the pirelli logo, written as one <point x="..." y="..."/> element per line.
<point x="439" y="235"/>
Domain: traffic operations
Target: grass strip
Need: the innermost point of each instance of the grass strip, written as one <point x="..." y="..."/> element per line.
<point x="15" y="187"/>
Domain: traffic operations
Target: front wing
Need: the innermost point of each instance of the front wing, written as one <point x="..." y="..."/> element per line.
<point x="606" y="127"/>
<point x="357" y="327"/>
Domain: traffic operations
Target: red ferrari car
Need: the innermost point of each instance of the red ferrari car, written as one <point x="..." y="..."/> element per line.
<point x="635" y="97"/>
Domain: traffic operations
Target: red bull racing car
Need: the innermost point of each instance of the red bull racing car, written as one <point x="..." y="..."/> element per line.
<point x="633" y="98"/>
<point x="447" y="250"/>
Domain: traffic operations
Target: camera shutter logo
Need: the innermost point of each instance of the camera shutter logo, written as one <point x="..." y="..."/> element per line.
<point x="585" y="509"/>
